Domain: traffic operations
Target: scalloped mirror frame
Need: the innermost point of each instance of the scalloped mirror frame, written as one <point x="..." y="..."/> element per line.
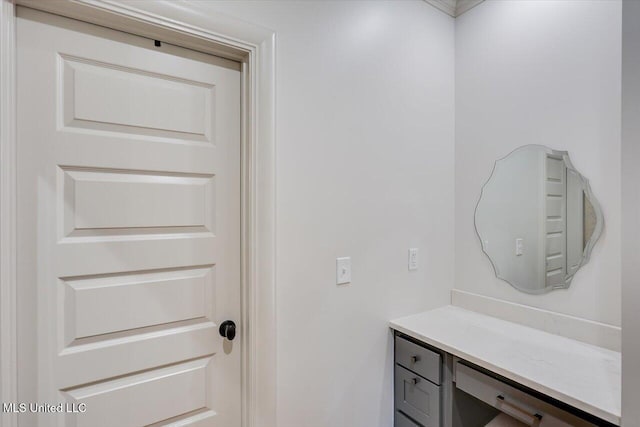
<point x="597" y="231"/>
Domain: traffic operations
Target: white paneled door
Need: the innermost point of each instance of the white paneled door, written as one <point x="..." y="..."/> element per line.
<point x="129" y="228"/>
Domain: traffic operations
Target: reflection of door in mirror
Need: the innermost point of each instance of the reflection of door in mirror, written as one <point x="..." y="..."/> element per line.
<point x="575" y="227"/>
<point x="555" y="220"/>
<point x="565" y="241"/>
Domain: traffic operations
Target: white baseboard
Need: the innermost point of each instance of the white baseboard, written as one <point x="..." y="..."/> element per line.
<point x="596" y="333"/>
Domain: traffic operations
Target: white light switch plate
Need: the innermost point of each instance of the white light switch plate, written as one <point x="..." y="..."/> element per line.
<point x="413" y="259"/>
<point x="519" y="247"/>
<point x="343" y="270"/>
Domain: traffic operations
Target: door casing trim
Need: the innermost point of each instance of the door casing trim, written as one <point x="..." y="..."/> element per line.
<point x="189" y="25"/>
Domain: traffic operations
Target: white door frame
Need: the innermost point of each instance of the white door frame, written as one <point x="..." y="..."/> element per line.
<point x="185" y="24"/>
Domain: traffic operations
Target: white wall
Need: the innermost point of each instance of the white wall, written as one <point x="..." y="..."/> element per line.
<point x="541" y="72"/>
<point x="630" y="213"/>
<point x="365" y="157"/>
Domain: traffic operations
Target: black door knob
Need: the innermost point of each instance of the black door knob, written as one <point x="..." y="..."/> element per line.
<point x="228" y="329"/>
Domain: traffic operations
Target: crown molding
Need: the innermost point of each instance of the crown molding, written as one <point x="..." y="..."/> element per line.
<point x="464" y="5"/>
<point x="454" y="8"/>
<point x="447" y="6"/>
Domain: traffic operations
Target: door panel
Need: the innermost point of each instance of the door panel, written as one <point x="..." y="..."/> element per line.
<point x="129" y="227"/>
<point x="105" y="199"/>
<point x="125" y="94"/>
<point x="102" y="305"/>
<point x="144" y="398"/>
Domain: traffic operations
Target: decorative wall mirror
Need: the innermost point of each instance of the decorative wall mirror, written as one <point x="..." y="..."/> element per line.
<point x="537" y="219"/>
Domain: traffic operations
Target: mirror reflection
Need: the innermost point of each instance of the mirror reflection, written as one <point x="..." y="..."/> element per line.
<point x="537" y="219"/>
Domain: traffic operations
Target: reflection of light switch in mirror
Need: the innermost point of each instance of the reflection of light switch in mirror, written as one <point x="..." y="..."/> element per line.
<point x="343" y="270"/>
<point x="519" y="246"/>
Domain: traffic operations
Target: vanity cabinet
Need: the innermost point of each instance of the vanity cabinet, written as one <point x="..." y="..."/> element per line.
<point x="434" y="388"/>
<point x="402" y="420"/>
<point x="417" y="379"/>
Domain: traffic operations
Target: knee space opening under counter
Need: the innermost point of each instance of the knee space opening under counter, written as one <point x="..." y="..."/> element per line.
<point x="457" y="368"/>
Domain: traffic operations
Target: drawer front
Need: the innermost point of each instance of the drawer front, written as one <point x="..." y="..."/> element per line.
<point x="402" y="421"/>
<point x="514" y="402"/>
<point x="420" y="360"/>
<point x="417" y="397"/>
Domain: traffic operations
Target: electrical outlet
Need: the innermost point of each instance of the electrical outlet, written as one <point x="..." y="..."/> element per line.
<point x="343" y="270"/>
<point x="413" y="259"/>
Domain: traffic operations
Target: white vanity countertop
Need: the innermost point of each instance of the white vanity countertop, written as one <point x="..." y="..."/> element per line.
<point x="582" y="375"/>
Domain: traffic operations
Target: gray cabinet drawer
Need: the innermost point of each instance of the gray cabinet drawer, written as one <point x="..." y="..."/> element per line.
<point x="514" y="402"/>
<point x="417" y="397"/>
<point x="418" y="359"/>
<point x="402" y="421"/>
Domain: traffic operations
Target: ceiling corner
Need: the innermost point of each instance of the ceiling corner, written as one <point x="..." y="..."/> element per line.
<point x="454" y="8"/>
